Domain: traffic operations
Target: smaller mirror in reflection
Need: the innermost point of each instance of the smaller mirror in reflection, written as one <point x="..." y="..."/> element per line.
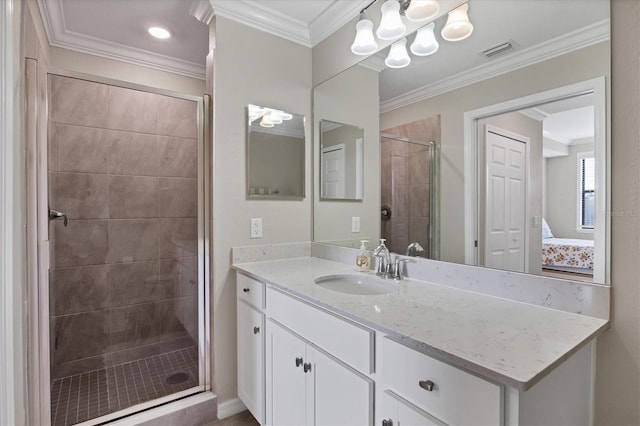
<point x="341" y="161"/>
<point x="275" y="154"/>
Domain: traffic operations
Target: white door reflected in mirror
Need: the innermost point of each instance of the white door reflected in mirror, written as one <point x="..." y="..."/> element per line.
<point x="341" y="161"/>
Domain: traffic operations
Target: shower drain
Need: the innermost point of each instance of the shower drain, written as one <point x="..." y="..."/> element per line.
<point x="174" y="379"/>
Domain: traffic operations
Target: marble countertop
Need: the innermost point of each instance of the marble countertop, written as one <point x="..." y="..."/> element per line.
<point x="512" y="343"/>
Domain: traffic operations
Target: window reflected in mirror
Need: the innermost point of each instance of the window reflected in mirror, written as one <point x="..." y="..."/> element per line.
<point x="341" y="161"/>
<point x="275" y="154"/>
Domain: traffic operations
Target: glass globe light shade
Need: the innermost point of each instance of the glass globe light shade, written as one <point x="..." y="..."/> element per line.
<point x="398" y="56"/>
<point x="425" y="43"/>
<point x="458" y="26"/>
<point x="422" y="10"/>
<point x="391" y="25"/>
<point x="364" y="43"/>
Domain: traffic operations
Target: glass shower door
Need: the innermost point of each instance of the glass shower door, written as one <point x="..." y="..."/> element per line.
<point x="126" y="276"/>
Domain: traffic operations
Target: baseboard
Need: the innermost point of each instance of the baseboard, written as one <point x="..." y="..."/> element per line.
<point x="230" y="407"/>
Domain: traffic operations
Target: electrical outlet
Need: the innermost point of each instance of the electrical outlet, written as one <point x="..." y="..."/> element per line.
<point x="256" y="227"/>
<point x="355" y="224"/>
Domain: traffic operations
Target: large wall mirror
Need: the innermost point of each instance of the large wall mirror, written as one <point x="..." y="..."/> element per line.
<point x="494" y="150"/>
<point x="275" y="154"/>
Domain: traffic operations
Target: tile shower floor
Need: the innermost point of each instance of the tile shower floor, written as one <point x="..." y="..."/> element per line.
<point x="95" y="393"/>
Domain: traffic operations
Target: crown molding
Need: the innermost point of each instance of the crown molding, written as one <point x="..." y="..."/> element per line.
<point x="261" y="17"/>
<point x="333" y="18"/>
<point x="59" y="36"/>
<point x="534" y="113"/>
<point x="584" y="37"/>
<point x="374" y="62"/>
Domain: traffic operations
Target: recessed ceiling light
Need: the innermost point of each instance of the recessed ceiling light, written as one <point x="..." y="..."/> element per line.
<point x="159" y="32"/>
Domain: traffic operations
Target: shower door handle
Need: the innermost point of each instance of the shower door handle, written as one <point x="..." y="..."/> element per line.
<point x="56" y="215"/>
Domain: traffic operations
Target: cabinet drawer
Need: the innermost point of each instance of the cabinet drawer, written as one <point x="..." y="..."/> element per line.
<point x="347" y="341"/>
<point x="250" y="290"/>
<point x="457" y="397"/>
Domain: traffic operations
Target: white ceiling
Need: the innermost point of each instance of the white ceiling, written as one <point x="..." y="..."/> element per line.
<point x="117" y="29"/>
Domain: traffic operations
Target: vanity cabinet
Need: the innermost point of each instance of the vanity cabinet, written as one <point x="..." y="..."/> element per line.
<point x="308" y="386"/>
<point x="251" y="343"/>
<point x="394" y="410"/>
<point x="437" y="389"/>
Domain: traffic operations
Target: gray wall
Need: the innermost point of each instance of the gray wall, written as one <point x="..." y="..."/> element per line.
<point x="562" y="193"/>
<point x="284" y="82"/>
<point x="618" y="357"/>
<point x="123" y="167"/>
<point x="352" y="98"/>
<point x="583" y="64"/>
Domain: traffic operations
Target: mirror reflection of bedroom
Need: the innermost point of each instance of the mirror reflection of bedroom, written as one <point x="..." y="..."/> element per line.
<point x="538" y="166"/>
<point x="568" y="188"/>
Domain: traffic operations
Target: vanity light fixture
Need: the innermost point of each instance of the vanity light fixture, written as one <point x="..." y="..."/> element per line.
<point x="391" y="25"/>
<point x="364" y="43"/>
<point x="458" y="26"/>
<point x="398" y="56"/>
<point x="159" y="32"/>
<point x="266" y="121"/>
<point x="422" y="10"/>
<point x="425" y="43"/>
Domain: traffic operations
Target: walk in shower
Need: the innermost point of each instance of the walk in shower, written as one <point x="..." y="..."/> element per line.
<point x="126" y="231"/>
<point x="409" y="174"/>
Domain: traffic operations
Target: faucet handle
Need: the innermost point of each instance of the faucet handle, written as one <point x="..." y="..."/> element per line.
<point x="397" y="267"/>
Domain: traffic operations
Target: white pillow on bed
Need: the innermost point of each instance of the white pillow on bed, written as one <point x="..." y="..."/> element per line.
<point x="546" y="231"/>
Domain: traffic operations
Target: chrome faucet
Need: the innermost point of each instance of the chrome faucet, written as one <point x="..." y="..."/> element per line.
<point x="384" y="259"/>
<point x="413" y="249"/>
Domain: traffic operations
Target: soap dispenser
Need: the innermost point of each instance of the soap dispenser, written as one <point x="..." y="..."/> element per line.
<point x="363" y="261"/>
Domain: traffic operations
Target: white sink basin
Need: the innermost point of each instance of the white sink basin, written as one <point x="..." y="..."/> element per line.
<point x="364" y="285"/>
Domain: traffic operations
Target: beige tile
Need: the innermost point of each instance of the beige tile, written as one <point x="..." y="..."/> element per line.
<point x="132" y="153"/>
<point x="418" y="231"/>
<point x="400" y="203"/>
<point x="145" y="323"/>
<point x="132" y="240"/>
<point x="79" y="289"/>
<point x="419" y="168"/>
<point x="178" y="237"/>
<point x="132" y="110"/>
<point x="419" y="201"/>
<point x="178" y="157"/>
<point x="399" y="175"/>
<point x="178" y="197"/>
<point x="74" y="101"/>
<point x="400" y="148"/>
<point x="80" y="195"/>
<point x="177" y="117"/>
<point x="80" y="336"/>
<point x="80" y="149"/>
<point x="83" y="242"/>
<point x="137" y="282"/>
<point x="133" y="197"/>
<point x="180" y="274"/>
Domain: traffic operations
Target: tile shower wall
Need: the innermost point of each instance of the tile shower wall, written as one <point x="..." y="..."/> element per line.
<point x="123" y="166"/>
<point x="405" y="183"/>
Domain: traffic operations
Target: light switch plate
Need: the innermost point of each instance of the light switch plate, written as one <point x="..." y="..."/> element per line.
<point x="256" y="227"/>
<point x="355" y="224"/>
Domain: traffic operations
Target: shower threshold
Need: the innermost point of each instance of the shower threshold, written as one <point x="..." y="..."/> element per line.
<point x="96" y="393"/>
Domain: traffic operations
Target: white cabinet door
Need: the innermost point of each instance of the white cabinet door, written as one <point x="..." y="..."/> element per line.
<point x="286" y="391"/>
<point x="251" y="359"/>
<point x="395" y="411"/>
<point x="342" y="396"/>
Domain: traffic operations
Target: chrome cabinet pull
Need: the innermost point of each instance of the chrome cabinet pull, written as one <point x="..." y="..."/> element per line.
<point x="55" y="215"/>
<point x="298" y="362"/>
<point x="246" y="290"/>
<point x="256" y="330"/>
<point x="387" y="422"/>
<point x="306" y="367"/>
<point x="426" y="385"/>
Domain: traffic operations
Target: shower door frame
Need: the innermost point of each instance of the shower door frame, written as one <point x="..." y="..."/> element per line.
<point x="38" y="248"/>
